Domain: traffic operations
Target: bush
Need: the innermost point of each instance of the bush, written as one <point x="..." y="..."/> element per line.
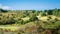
<point x="43" y="14"/>
<point x="5" y="20"/>
<point x="34" y="18"/>
<point x="20" y="21"/>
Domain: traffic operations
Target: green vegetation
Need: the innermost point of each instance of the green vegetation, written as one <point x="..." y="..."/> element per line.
<point x="31" y="21"/>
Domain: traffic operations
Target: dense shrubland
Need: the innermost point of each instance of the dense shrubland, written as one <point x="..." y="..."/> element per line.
<point x="34" y="21"/>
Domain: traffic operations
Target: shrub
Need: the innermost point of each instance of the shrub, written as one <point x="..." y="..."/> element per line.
<point x="5" y="20"/>
<point x="43" y="14"/>
<point x="33" y="18"/>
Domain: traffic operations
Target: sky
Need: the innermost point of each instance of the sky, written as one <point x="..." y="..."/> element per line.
<point x="29" y="4"/>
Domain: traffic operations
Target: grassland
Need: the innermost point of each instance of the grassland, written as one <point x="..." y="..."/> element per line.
<point x="30" y="21"/>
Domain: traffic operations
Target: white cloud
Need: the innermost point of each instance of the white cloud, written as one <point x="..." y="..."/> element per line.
<point x="4" y="7"/>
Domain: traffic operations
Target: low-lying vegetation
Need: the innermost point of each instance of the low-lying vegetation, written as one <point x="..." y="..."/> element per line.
<point x="30" y="21"/>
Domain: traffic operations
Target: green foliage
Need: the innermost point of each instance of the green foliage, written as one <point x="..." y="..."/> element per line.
<point x="17" y="17"/>
<point x="1" y="10"/>
<point x="43" y="14"/>
<point x="50" y="12"/>
<point x="51" y="24"/>
<point x="34" y="18"/>
<point x="20" y="21"/>
<point x="5" y="20"/>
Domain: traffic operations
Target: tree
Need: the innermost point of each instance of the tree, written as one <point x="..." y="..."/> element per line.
<point x="49" y="12"/>
<point x="33" y="11"/>
<point x="1" y="10"/>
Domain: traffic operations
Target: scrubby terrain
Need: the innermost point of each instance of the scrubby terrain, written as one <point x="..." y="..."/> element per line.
<point x="30" y="21"/>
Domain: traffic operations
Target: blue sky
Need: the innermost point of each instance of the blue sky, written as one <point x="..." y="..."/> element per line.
<point x="29" y="4"/>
